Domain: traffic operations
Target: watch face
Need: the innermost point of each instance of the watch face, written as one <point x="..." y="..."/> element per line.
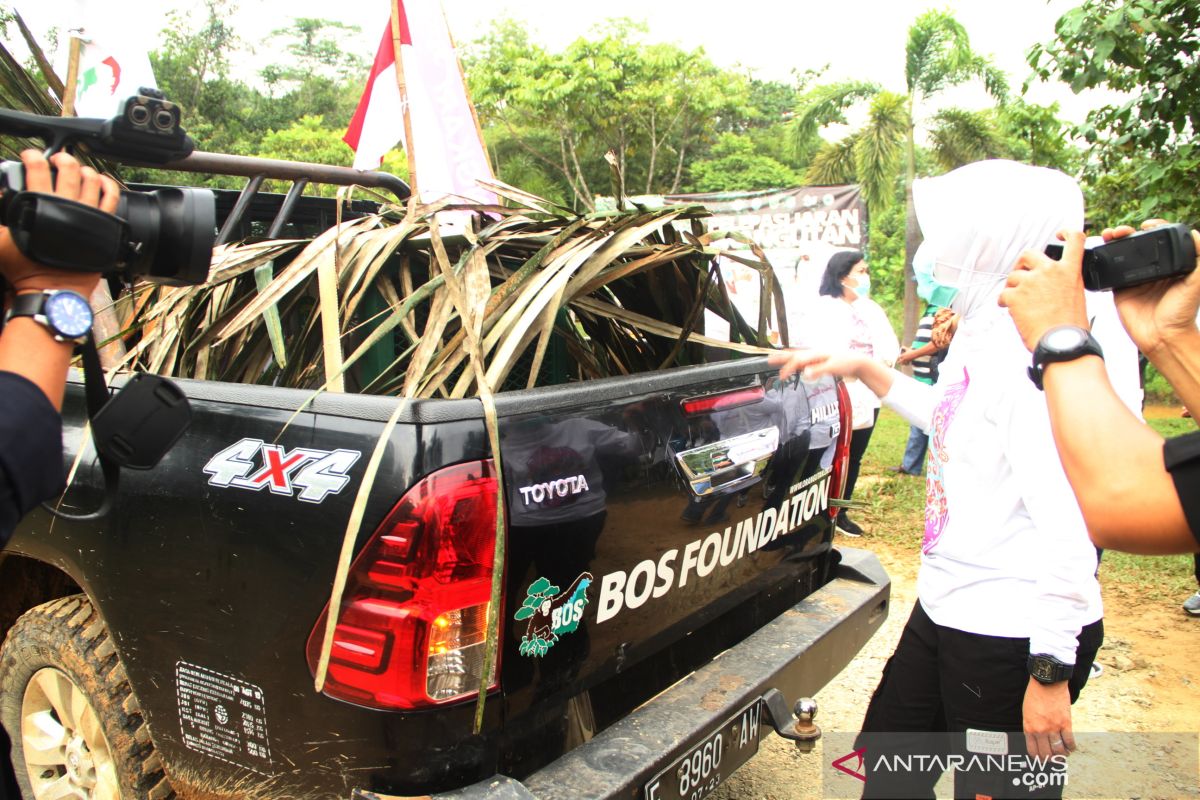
<point x="69" y="314"/>
<point x="1043" y="670"/>
<point x="1064" y="339"/>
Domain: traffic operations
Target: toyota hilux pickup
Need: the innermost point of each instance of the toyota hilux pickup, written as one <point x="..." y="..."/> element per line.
<point x="671" y="588"/>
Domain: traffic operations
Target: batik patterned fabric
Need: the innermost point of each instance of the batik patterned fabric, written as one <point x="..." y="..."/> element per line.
<point x="936" y="511"/>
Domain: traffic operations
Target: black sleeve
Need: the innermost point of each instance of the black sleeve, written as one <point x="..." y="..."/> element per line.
<point x="31" y="452"/>
<point x="1181" y="456"/>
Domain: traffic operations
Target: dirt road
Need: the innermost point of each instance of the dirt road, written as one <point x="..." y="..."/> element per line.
<point x="1151" y="683"/>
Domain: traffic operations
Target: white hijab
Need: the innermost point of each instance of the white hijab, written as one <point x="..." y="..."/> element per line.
<point x="978" y="218"/>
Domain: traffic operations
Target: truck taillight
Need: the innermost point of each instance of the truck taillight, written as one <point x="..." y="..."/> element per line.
<point x="723" y="401"/>
<point x="841" y="454"/>
<point x="413" y="618"/>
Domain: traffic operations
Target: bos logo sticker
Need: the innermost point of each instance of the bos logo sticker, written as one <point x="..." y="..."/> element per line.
<point x="255" y="465"/>
<point x="552" y="614"/>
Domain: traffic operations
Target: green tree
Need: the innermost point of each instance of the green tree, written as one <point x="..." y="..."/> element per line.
<point x="654" y="107"/>
<point x="1036" y="135"/>
<point x="735" y="166"/>
<point x="1145" y="48"/>
<point x="310" y="139"/>
<point x="322" y="77"/>
<point x="938" y="55"/>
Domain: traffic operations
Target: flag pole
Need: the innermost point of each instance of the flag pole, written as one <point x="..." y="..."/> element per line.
<point x="405" y="107"/>
<point x="106" y="326"/>
<point x="68" y="99"/>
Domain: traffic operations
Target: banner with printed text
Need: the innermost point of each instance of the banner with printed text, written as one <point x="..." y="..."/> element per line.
<point x="798" y="228"/>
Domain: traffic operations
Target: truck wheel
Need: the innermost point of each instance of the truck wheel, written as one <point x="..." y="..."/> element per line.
<point x="77" y="730"/>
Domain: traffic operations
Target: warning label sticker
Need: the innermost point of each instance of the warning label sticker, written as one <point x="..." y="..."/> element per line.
<point x="222" y="716"/>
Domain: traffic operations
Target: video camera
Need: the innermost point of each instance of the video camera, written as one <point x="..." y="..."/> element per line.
<point x="165" y="236"/>
<point x="1166" y="252"/>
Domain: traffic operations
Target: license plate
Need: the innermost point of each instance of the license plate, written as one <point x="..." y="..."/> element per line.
<point x="698" y="773"/>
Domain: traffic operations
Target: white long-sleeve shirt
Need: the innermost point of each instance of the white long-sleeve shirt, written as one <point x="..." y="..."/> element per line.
<point x="1006" y="551"/>
<point x="834" y="325"/>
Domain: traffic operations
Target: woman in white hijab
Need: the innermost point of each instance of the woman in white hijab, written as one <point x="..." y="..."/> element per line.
<point x="1008" y="618"/>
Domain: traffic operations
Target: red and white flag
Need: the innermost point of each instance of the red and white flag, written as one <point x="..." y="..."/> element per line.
<point x="448" y="153"/>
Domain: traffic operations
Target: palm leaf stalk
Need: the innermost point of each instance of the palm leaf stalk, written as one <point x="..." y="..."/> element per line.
<point x="625" y="289"/>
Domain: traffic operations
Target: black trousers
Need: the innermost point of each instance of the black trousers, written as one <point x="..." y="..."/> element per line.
<point x="943" y="680"/>
<point x="859" y="440"/>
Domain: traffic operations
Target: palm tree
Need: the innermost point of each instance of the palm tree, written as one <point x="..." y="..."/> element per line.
<point x="938" y="56"/>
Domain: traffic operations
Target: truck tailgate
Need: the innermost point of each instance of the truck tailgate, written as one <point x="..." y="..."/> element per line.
<point x="639" y="519"/>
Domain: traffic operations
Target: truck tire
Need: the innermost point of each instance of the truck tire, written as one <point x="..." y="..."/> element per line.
<point x="76" y="728"/>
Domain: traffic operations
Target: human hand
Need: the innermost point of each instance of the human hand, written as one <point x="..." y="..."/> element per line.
<point x="1155" y="313"/>
<point x="815" y="364"/>
<point x="1042" y="293"/>
<point x="945" y="325"/>
<point x="73" y="182"/>
<point x="1047" y="719"/>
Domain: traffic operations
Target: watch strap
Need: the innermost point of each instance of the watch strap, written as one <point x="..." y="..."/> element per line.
<point x="27" y="305"/>
<point x="33" y="305"/>
<point x="1048" y="669"/>
<point x="1043" y="355"/>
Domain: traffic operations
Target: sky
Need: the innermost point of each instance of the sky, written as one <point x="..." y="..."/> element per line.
<point x="856" y="39"/>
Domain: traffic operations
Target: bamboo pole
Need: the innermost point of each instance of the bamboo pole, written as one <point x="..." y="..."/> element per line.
<point x="106" y="326"/>
<point x="409" y="150"/>
<point x="68" y="98"/>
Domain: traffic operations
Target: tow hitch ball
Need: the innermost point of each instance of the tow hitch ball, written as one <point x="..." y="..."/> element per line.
<point x="798" y="726"/>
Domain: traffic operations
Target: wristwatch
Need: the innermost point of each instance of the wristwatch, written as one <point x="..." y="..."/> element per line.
<point x="1061" y="343"/>
<point x="67" y="314"/>
<point x="1048" y="669"/>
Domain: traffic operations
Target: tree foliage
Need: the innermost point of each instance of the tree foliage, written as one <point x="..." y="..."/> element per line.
<point x="734" y="166"/>
<point x="1144" y="148"/>
<point x="550" y="117"/>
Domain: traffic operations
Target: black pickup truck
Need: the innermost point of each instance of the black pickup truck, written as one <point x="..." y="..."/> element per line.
<point x="670" y="587"/>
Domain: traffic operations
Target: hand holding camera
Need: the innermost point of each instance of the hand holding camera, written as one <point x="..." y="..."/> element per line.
<point x="1151" y="273"/>
<point x="73" y="182"/>
<point x="163" y="236"/>
<point x="1043" y="293"/>
<point x="1158" y="312"/>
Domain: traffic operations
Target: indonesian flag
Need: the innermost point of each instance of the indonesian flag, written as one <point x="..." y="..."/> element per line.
<point x="110" y="72"/>
<point x="447" y="154"/>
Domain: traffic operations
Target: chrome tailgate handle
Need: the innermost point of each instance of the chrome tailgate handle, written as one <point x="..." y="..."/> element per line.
<point x="729" y="463"/>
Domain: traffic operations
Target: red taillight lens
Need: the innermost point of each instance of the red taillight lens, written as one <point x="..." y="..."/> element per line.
<point x="841" y="455"/>
<point x="723" y="401"/>
<point x="413" y="617"/>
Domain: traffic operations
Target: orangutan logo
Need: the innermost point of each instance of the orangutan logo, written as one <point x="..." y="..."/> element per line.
<point x="551" y="613"/>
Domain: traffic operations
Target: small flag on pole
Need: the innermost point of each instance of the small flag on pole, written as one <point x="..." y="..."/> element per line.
<point x="446" y="153"/>
<point x="109" y="73"/>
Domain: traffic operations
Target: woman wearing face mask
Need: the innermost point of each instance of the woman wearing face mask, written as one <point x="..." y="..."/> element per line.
<point x="1008" y="618"/>
<point x="845" y="318"/>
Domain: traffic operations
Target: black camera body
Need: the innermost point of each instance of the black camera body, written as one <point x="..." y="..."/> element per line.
<point x="1166" y="252"/>
<point x="165" y="236"/>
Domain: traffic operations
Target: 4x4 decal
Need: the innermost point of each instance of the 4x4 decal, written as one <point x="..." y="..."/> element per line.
<point x="254" y="465"/>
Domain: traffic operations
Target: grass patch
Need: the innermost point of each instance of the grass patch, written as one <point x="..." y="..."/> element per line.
<point x="897" y="502"/>
<point x="896" y="514"/>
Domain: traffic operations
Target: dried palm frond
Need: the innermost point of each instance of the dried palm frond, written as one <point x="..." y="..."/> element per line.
<point x="367" y="306"/>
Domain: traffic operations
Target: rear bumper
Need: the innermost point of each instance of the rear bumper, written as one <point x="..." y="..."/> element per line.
<point x="797" y="653"/>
